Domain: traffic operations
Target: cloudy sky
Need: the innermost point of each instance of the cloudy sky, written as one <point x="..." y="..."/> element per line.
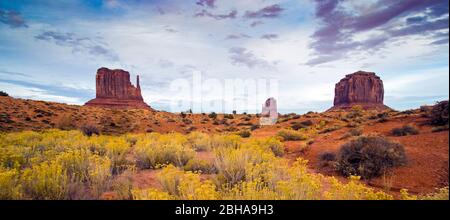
<point x="51" y="49"/>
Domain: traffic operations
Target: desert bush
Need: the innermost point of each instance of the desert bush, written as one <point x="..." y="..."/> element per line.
<point x="330" y="129"/>
<point x="356" y="111"/>
<point x="186" y="121"/>
<point x="155" y="150"/>
<point x="291" y="135"/>
<point x="150" y="194"/>
<point x="64" y="122"/>
<point x="89" y="130"/>
<point x="297" y="126"/>
<point x="369" y="156"/>
<point x="212" y="115"/>
<point x="200" y="165"/>
<point x="440" y="128"/>
<point x="199" y="141"/>
<point x="355" y="131"/>
<point x="123" y="185"/>
<point x="306" y="123"/>
<point x="327" y="156"/>
<point x="232" y="163"/>
<point x="254" y="127"/>
<point x="185" y="185"/>
<point x="244" y="133"/>
<point x="46" y="181"/>
<point x="405" y="130"/>
<point x="10" y="187"/>
<point x="271" y="144"/>
<point x="439" y="114"/>
<point x="228" y="116"/>
<point x="3" y="93"/>
<point x="225" y="141"/>
<point x="441" y="194"/>
<point x="353" y="190"/>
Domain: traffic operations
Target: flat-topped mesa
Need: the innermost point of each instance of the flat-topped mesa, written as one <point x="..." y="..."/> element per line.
<point x="359" y="88"/>
<point x="114" y="90"/>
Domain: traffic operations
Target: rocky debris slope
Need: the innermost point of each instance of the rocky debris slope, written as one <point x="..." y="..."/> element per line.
<point x="114" y="90"/>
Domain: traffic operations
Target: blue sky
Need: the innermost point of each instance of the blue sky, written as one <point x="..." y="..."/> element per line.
<point x="51" y="49"/>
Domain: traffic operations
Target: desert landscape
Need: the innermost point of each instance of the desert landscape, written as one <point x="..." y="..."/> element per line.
<point x="121" y="148"/>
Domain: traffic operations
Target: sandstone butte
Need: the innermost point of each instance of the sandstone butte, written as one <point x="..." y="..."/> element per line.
<point x="360" y="88"/>
<point x="114" y="90"/>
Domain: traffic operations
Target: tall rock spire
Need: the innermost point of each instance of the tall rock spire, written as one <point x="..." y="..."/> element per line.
<point x="137" y="82"/>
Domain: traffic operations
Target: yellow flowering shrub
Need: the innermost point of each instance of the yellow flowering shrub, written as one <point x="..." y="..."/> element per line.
<point x="225" y="141"/>
<point x="56" y="164"/>
<point x="440" y="194"/>
<point x="150" y="194"/>
<point x="10" y="187"/>
<point x="47" y="180"/>
<point x="200" y="165"/>
<point x="163" y="149"/>
<point x="291" y="135"/>
<point x="199" y="141"/>
<point x="353" y="190"/>
<point x="271" y="143"/>
<point x="185" y="185"/>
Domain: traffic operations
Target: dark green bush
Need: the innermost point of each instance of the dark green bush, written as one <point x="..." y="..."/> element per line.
<point x="89" y="130"/>
<point x="3" y="93"/>
<point x="405" y="130"/>
<point x="212" y="115"/>
<point x="244" y="133"/>
<point x="439" y="114"/>
<point x="327" y="156"/>
<point x="369" y="157"/>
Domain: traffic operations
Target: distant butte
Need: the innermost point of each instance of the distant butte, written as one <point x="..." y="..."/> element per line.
<point x="360" y="88"/>
<point x="114" y="90"/>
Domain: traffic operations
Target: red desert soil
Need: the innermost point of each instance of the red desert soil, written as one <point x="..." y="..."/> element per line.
<point x="428" y="152"/>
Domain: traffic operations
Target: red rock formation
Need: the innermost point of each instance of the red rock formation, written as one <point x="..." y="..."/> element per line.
<point x="114" y="90"/>
<point x="360" y="88"/>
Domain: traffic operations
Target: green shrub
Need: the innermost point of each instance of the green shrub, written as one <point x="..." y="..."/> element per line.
<point x="46" y="181"/>
<point x="369" y="156"/>
<point x="405" y="130"/>
<point x="3" y="93"/>
<point x="244" y="133"/>
<point x="228" y="116"/>
<point x="330" y="129"/>
<point x="212" y="115"/>
<point x="291" y="135"/>
<point x="355" y="131"/>
<point x="199" y="165"/>
<point x="306" y="123"/>
<point x="157" y="150"/>
<point x="89" y="130"/>
<point x="440" y="128"/>
<point x="327" y="156"/>
<point x="271" y="143"/>
<point x="439" y="114"/>
<point x="9" y="185"/>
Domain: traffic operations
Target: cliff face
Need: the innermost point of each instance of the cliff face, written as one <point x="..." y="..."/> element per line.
<point x="360" y="88"/>
<point x="114" y="90"/>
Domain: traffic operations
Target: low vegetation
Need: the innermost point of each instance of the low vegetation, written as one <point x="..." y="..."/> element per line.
<point x="369" y="156"/>
<point x="3" y="93"/>
<point x="57" y="164"/>
<point x="405" y="130"/>
<point x="439" y="114"/>
<point x="291" y="135"/>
